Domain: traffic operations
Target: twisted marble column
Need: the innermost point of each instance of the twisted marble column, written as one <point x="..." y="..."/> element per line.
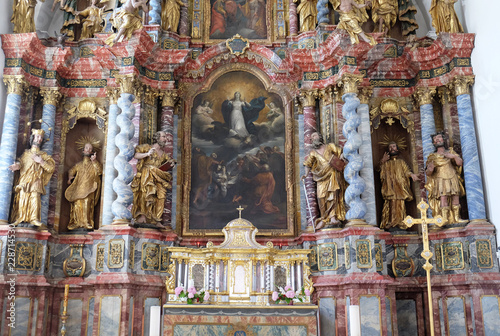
<point x="50" y="98"/>
<point x="357" y="207"/>
<point x="155" y="12"/>
<point x="428" y="125"/>
<point x="16" y="86"/>
<point x="184" y="21"/>
<point x="293" y="21"/>
<point x="472" y="169"/>
<point x="322" y="16"/>
<point x="121" y="184"/>
<point x="365" y="150"/>
<point x="108" y="194"/>
<point x="308" y="100"/>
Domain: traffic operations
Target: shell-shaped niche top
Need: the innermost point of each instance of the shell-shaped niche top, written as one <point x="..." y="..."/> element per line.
<point x="240" y="234"/>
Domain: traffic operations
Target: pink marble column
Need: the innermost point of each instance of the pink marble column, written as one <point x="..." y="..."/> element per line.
<point x="308" y="99"/>
<point x="169" y="99"/>
<point x="293" y="20"/>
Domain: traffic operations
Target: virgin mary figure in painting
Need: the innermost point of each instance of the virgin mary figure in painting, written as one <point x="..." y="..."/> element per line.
<point x="240" y="115"/>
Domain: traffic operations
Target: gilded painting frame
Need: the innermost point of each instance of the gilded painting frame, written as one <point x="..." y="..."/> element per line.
<point x="206" y="24"/>
<point x="189" y="91"/>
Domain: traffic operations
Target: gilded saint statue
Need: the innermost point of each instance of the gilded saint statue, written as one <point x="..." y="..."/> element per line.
<point x="35" y="168"/>
<point x="171" y="14"/>
<point x="93" y="22"/>
<point x="84" y="181"/>
<point x="444" y="183"/>
<point x="384" y="15"/>
<point x="151" y="182"/>
<point x="326" y="164"/>
<point x="308" y="13"/>
<point x="127" y="20"/>
<point x="23" y="16"/>
<point x="352" y="15"/>
<point x="444" y="17"/>
<point x="396" y="188"/>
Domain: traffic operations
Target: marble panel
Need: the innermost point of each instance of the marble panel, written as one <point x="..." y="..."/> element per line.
<point x="279" y="330"/>
<point x="327" y="316"/>
<point x="441" y="316"/>
<point x="473" y="316"/>
<point x="388" y="314"/>
<point x="110" y="316"/>
<point x="177" y="156"/>
<point x="455" y="306"/>
<point x="34" y="319"/>
<point x="130" y="317"/>
<point x="148" y="303"/>
<point x="491" y="314"/>
<point x="90" y="317"/>
<point x="196" y="330"/>
<point x="369" y="310"/>
<point x="74" y="321"/>
<point x="407" y="317"/>
<point x="23" y="308"/>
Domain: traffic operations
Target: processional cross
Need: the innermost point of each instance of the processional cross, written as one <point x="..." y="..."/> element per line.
<point x="426" y="253"/>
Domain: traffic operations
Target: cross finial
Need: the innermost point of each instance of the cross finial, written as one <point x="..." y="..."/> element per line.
<point x="240" y="209"/>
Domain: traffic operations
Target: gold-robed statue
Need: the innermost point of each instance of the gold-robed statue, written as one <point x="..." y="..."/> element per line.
<point x="308" y="13"/>
<point x="23" y="16"/>
<point x="151" y="182"/>
<point x="84" y="181"/>
<point x="93" y="22"/>
<point x="127" y="20"/>
<point x="326" y="165"/>
<point x="444" y="18"/>
<point x="171" y="14"/>
<point x="396" y="188"/>
<point x="444" y="183"/>
<point x="384" y="15"/>
<point x="352" y="15"/>
<point x="35" y="168"/>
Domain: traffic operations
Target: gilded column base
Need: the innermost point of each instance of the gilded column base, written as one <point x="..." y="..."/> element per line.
<point x="4" y="222"/>
<point x="357" y="222"/>
<point x="121" y="221"/>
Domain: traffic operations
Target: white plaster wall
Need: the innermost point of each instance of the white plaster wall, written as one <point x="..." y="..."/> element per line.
<point x="482" y="18"/>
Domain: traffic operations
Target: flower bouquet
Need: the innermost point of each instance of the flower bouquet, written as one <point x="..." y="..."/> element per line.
<point x="289" y="296"/>
<point x="192" y="295"/>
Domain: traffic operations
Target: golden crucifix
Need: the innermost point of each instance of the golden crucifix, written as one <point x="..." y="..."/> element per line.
<point x="240" y="209"/>
<point x="426" y="253"/>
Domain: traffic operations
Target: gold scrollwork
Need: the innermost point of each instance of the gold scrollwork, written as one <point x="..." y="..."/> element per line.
<point x="363" y="253"/>
<point x="231" y="41"/>
<point x="25" y="256"/>
<point x="99" y="258"/>
<point x="113" y="94"/>
<point x="379" y="257"/>
<point x="484" y="258"/>
<point x="150" y="257"/>
<point x="453" y="257"/>
<point x="115" y="254"/>
<point x="131" y="255"/>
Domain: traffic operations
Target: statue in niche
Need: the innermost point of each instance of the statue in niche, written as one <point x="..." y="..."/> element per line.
<point x="443" y="180"/>
<point x="36" y="168"/>
<point x="93" y="22"/>
<point x="308" y="13"/>
<point x="84" y="185"/>
<point x="384" y="15"/>
<point x="352" y="15"/>
<point x="23" y="16"/>
<point x="326" y="164"/>
<point x="127" y="21"/>
<point x="444" y="18"/>
<point x="152" y="180"/>
<point x="171" y="14"/>
<point x="396" y="188"/>
<point x="407" y="13"/>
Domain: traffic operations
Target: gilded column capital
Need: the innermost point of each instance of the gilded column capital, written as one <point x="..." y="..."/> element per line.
<point x="51" y="95"/>
<point x="326" y="95"/>
<point x="15" y="84"/>
<point x="444" y="94"/>
<point x="462" y="84"/>
<point x="150" y="95"/>
<point x="423" y="95"/>
<point x="113" y="94"/>
<point x="126" y="83"/>
<point x="169" y="98"/>
<point x="350" y="82"/>
<point x="308" y="98"/>
<point x="365" y="93"/>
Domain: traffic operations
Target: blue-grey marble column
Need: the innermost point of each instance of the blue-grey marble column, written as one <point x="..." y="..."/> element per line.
<point x="50" y="98"/>
<point x="121" y="184"/>
<point x="108" y="194"/>
<point x="365" y="150"/>
<point x="322" y="16"/>
<point x="427" y="123"/>
<point x="8" y="146"/>
<point x="472" y="170"/>
<point x="357" y="207"/>
<point x="155" y="12"/>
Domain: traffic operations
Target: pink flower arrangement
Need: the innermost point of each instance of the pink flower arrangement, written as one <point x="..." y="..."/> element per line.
<point x="288" y="295"/>
<point x="192" y="295"/>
